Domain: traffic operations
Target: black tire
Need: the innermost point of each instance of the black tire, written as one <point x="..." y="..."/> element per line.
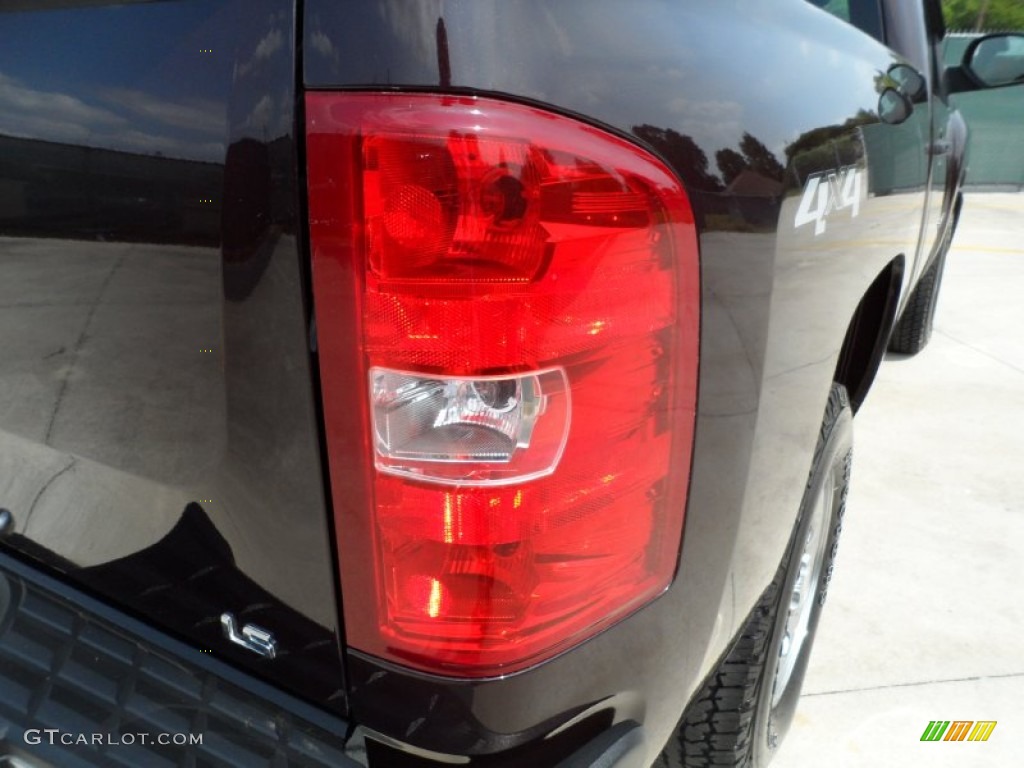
<point x="740" y="716"/>
<point x="913" y="330"/>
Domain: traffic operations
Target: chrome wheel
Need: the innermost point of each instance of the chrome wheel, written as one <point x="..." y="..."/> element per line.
<point x="806" y="586"/>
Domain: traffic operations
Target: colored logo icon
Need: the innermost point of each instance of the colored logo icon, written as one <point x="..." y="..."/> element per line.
<point x="959" y="730"/>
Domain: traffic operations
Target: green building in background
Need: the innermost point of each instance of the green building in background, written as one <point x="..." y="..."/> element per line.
<point x="996" y="116"/>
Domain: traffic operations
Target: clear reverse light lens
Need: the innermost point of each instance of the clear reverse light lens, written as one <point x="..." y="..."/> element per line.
<point x="488" y="430"/>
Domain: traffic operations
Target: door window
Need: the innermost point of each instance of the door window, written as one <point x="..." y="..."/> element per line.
<point x="866" y="15"/>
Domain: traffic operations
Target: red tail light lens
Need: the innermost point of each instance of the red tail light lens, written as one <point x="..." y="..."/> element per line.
<point x="507" y="305"/>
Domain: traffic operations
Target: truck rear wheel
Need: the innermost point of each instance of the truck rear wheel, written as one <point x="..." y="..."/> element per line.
<point x="746" y="706"/>
<point x="914" y="328"/>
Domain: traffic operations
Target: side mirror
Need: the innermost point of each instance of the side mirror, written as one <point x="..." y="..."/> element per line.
<point x="893" y="107"/>
<point x="908" y="82"/>
<point x="995" y="60"/>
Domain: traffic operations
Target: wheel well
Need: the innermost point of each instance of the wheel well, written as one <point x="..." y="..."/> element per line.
<point x="868" y="333"/>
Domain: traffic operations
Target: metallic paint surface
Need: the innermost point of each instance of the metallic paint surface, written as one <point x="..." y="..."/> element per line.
<point x="154" y="323"/>
<point x="687" y="80"/>
<point x="155" y="311"/>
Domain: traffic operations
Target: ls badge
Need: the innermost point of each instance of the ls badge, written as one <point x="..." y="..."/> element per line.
<point x="829" y="191"/>
<point x="252" y="638"/>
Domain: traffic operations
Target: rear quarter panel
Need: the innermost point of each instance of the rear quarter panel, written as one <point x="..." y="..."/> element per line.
<point x="687" y="80"/>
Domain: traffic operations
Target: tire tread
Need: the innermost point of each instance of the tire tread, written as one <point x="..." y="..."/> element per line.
<point x="717" y="728"/>
<point x="914" y="329"/>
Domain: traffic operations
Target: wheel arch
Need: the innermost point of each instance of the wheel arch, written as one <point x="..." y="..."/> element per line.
<point x="867" y="335"/>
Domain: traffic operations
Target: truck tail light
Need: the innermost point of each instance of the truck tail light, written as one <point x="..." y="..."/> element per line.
<point x="507" y="309"/>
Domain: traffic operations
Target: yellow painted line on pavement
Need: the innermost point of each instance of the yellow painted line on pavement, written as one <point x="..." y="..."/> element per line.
<point x="986" y="248"/>
<point x="836" y="245"/>
<point x="976" y="206"/>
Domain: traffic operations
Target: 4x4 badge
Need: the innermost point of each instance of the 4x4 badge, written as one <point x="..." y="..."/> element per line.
<point x="252" y="638"/>
<point x="829" y="191"/>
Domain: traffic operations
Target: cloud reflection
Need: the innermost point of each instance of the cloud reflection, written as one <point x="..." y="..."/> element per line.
<point x="122" y="119"/>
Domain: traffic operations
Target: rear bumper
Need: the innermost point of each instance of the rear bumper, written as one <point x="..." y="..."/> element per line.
<point x="84" y="685"/>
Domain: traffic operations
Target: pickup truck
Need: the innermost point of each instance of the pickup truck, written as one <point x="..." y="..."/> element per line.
<point x="431" y="382"/>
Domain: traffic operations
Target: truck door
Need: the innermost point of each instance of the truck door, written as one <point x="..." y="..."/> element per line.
<point x="914" y="30"/>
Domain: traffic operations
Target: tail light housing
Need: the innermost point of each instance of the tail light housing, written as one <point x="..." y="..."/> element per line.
<point x="507" y="309"/>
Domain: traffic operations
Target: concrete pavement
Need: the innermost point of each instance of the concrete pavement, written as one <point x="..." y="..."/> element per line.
<point x="925" y="615"/>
